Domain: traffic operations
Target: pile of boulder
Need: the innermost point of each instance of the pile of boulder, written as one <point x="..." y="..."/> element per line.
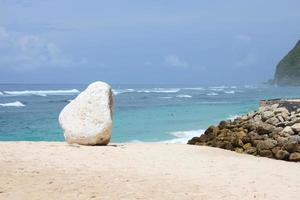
<point x="272" y="131"/>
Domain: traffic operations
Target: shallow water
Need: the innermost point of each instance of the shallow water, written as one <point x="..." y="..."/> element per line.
<point x="148" y="113"/>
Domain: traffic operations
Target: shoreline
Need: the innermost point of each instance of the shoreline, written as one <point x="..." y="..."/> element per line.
<point x="49" y="170"/>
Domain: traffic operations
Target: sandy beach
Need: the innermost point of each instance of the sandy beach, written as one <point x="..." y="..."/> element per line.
<point x="54" y="170"/>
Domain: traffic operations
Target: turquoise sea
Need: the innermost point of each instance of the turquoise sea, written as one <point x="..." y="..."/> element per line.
<point x="147" y="113"/>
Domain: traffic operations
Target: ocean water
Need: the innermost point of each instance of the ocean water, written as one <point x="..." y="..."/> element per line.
<point x="143" y="113"/>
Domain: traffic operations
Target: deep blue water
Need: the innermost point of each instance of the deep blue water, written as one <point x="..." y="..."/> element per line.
<point x="142" y="112"/>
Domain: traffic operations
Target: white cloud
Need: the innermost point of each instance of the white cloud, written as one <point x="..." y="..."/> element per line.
<point x="174" y="61"/>
<point x="28" y="52"/>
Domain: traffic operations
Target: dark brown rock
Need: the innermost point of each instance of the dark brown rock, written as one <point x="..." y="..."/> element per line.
<point x="262" y="133"/>
<point x="266" y="153"/>
<point x="266" y="144"/>
<point x="194" y="140"/>
<point x="250" y="126"/>
<point x="251" y="150"/>
<point x="223" y="124"/>
<point x="291" y="146"/>
<point x="212" y="130"/>
<point x="281" y="141"/>
<point x="282" y="155"/>
<point x="281" y="124"/>
<point x="254" y="136"/>
<point x="239" y="150"/>
<point x="247" y="146"/>
<point x="264" y="128"/>
<point x="275" y="150"/>
<point x="295" y="157"/>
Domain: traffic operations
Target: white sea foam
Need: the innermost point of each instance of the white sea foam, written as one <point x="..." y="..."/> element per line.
<point x="212" y="94"/>
<point x="233" y="117"/>
<point x="121" y="91"/>
<point x="184" y="96"/>
<point x="41" y="92"/>
<point x="13" y="104"/>
<point x="217" y="89"/>
<point x="143" y="91"/>
<point x="160" y="90"/>
<point x="230" y="92"/>
<point x="147" y="90"/>
<point x="136" y="141"/>
<point x="1" y="93"/>
<point x="182" y="137"/>
<point x="166" y="97"/>
<point x="194" y="88"/>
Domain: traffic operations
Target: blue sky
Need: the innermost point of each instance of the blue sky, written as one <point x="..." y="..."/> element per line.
<point x="162" y="42"/>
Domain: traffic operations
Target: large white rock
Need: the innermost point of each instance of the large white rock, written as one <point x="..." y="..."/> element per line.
<point x="87" y="119"/>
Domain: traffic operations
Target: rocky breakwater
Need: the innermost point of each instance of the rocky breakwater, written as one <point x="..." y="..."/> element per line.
<point x="271" y="131"/>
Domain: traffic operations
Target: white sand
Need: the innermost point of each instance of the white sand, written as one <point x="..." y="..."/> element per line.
<point x="45" y="170"/>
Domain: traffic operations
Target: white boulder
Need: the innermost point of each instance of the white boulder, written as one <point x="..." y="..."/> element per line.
<point x="87" y="119"/>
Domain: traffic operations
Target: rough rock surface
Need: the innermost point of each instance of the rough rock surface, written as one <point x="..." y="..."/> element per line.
<point x="87" y="119"/>
<point x="272" y="132"/>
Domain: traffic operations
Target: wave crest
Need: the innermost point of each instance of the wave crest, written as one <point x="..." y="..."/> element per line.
<point x="233" y="117"/>
<point x="184" y="96"/>
<point x="13" y="104"/>
<point x="212" y="94"/>
<point x="121" y="91"/>
<point x="182" y="137"/>
<point x="150" y="90"/>
<point x="41" y="92"/>
<point x="160" y="90"/>
<point x="230" y="92"/>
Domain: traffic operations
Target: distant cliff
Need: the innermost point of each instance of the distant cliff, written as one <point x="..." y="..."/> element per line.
<point x="288" y="69"/>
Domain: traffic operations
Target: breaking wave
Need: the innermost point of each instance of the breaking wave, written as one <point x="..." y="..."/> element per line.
<point x="230" y="92"/>
<point x="13" y="104"/>
<point x="194" y="88"/>
<point x="151" y="90"/>
<point x="41" y="92"/>
<point x="182" y="137"/>
<point x="160" y="90"/>
<point x="233" y="117"/>
<point x="184" y="96"/>
<point x="120" y="91"/>
<point x="212" y="90"/>
<point x="212" y="94"/>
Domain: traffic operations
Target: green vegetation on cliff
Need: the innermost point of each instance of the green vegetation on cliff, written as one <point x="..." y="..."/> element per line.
<point x="288" y="69"/>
